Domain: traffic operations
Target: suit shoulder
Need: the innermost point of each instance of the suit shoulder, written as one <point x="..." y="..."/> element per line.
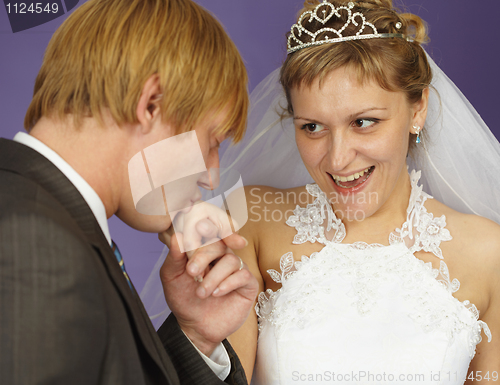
<point x="37" y="233"/>
<point x="32" y="240"/>
<point x="22" y="198"/>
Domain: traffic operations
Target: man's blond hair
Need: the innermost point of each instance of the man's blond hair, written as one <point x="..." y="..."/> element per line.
<point x="102" y="55"/>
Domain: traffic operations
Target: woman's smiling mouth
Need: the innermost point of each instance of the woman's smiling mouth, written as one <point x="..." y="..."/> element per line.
<point x="354" y="180"/>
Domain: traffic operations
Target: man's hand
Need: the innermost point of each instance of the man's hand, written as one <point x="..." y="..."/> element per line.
<point x="212" y="292"/>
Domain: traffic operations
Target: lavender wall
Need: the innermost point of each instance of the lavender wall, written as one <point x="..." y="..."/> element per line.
<point x="464" y="42"/>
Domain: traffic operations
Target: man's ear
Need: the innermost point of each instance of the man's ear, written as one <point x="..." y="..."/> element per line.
<point x="420" y="109"/>
<point x="148" y="108"/>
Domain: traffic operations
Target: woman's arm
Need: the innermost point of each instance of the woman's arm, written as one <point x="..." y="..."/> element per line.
<point x="485" y="367"/>
<point x="486" y="362"/>
<point x="268" y="238"/>
<point x="244" y="340"/>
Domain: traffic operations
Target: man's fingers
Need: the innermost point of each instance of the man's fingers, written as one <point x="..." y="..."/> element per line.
<point x="224" y="267"/>
<point x="242" y="281"/>
<point x="205" y="255"/>
<point x="235" y="241"/>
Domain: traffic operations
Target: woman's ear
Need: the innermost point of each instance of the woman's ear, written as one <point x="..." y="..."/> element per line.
<point x="420" y="109"/>
<point x="148" y="108"/>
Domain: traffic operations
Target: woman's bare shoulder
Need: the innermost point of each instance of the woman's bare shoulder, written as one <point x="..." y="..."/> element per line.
<point x="474" y="235"/>
<point x="268" y="210"/>
<point x="263" y="200"/>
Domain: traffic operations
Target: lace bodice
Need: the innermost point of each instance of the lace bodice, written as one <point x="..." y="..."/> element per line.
<point x="360" y="308"/>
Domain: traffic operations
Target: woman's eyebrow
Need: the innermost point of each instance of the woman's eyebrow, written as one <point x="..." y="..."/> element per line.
<point x="350" y="116"/>
<point x="368" y="110"/>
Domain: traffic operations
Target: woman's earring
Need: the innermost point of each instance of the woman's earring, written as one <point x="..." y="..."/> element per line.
<point x="417" y="131"/>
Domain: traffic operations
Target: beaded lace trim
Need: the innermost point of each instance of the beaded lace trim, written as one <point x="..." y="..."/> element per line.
<point x="421" y="231"/>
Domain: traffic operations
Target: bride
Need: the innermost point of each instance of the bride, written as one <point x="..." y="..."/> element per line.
<point x="365" y="277"/>
<point x="372" y="213"/>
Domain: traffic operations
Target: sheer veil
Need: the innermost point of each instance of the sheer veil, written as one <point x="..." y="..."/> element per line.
<point x="460" y="158"/>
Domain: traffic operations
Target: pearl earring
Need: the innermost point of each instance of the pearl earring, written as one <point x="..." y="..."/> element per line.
<point x="417" y="131"/>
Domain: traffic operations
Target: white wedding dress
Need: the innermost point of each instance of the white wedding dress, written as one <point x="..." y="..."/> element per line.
<point x="360" y="313"/>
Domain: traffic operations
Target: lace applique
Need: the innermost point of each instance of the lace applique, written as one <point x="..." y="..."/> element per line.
<point x="434" y="309"/>
<point x="430" y="232"/>
<point x="296" y="311"/>
<point x="478" y="326"/>
<point x="309" y="221"/>
<point x="421" y="231"/>
<point x="286" y="265"/>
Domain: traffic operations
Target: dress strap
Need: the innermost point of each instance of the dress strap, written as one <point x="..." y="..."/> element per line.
<point x="421" y="231"/>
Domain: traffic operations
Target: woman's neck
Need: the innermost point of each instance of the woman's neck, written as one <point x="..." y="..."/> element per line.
<point x="377" y="227"/>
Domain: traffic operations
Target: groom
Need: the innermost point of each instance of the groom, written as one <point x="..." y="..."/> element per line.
<point x="117" y="77"/>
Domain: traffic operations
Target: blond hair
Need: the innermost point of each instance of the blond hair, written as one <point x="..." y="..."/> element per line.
<point x="395" y="64"/>
<point x="102" y="55"/>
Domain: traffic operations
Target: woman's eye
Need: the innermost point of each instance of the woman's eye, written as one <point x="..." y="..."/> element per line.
<point x="313" y="127"/>
<point x="364" y="123"/>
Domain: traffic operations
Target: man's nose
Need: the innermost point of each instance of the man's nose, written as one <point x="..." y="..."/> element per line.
<point x="210" y="179"/>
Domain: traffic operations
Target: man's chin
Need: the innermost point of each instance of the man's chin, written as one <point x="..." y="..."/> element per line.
<point x="147" y="223"/>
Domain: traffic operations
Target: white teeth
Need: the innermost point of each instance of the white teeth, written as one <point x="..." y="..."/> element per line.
<point x="352" y="177"/>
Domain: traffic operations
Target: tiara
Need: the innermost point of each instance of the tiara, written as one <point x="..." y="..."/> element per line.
<point x="298" y="29"/>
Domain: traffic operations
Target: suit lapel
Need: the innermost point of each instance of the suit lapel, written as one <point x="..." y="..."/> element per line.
<point x="18" y="158"/>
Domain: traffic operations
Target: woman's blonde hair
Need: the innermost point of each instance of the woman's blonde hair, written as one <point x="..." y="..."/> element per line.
<point x="396" y="64"/>
<point x="102" y="55"/>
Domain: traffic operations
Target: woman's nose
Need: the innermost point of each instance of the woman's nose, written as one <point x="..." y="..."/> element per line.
<point x="341" y="152"/>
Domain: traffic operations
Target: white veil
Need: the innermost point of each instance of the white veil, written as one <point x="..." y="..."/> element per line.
<point x="460" y="159"/>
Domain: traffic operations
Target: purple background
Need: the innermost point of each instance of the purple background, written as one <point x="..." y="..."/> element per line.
<point x="464" y="42"/>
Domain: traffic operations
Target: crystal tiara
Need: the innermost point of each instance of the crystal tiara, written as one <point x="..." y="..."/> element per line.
<point x="335" y="35"/>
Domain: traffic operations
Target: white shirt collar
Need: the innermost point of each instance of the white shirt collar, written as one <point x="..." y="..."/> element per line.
<point x="88" y="193"/>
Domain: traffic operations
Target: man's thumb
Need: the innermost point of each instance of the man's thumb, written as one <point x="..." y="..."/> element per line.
<point x="175" y="263"/>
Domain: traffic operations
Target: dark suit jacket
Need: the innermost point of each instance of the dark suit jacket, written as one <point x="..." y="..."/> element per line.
<point x="67" y="314"/>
